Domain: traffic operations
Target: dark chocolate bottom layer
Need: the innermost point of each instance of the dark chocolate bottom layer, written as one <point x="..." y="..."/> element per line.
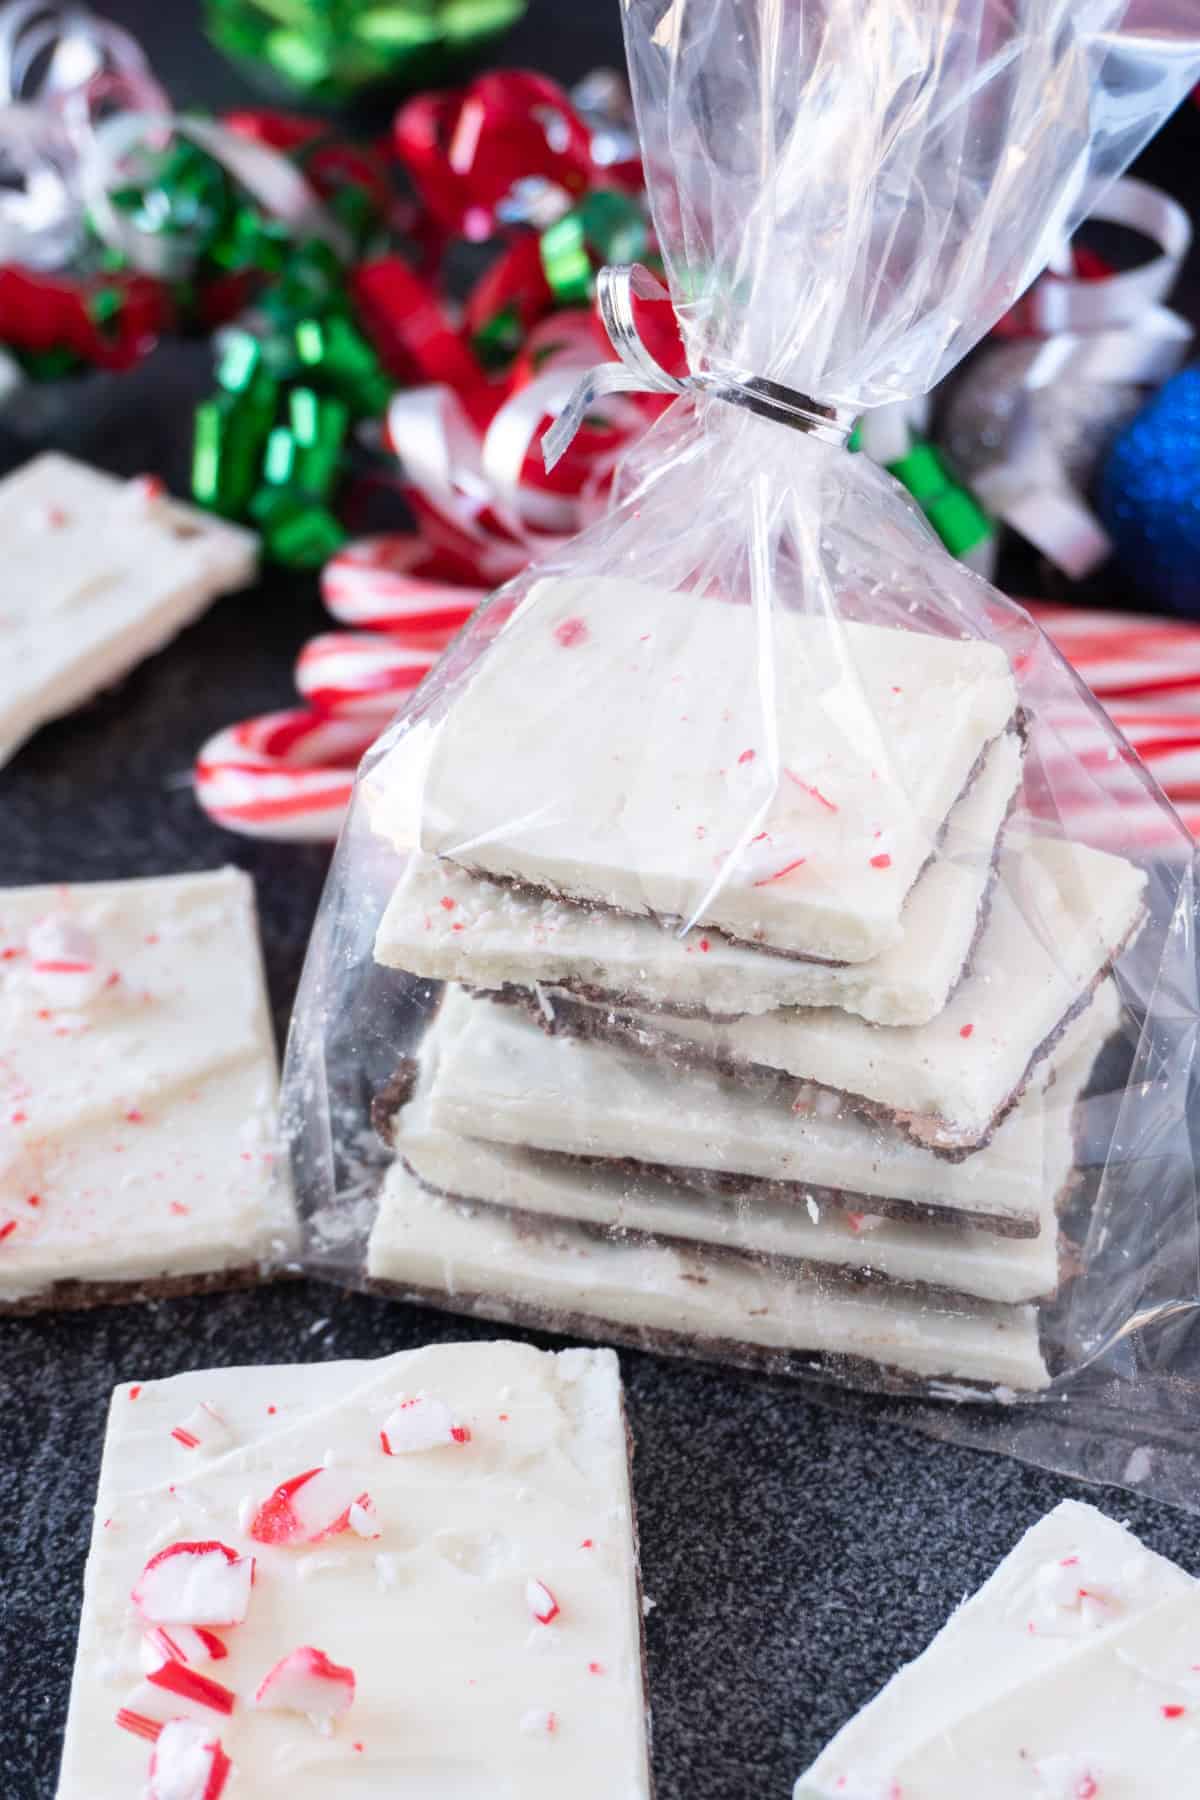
<point x="625" y="1033"/>
<point x="75" y="1296"/>
<point x="831" y="1275"/>
<point x="846" y="1371"/>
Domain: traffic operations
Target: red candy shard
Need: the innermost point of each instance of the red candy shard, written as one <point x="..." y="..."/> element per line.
<point x="780" y="873"/>
<point x="179" y="1678"/>
<point x="195" y="1584"/>
<point x="309" y="1507"/>
<point x="571" y="632"/>
<point x="137" y="1723"/>
<point x="1173" y="1712"/>
<point x="7" y="1228"/>
<point x="188" y="1763"/>
<point x="747" y="756"/>
<point x="541" y="1602"/>
<point x="965" y="1031"/>
<point x="186" y="1644"/>
<point x="882" y="861"/>
<point x="276" y="1521"/>
<point x="829" y="805"/>
<point x="305" y="1681"/>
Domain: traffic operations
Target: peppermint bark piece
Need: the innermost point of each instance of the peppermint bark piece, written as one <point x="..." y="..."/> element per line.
<point x="1060" y="915"/>
<point x="559" y="1276"/>
<point x="628" y="1201"/>
<point x="781" y="777"/>
<point x="100" y="573"/>
<point x="444" y="1596"/>
<point x="501" y="1078"/>
<point x="137" y="1092"/>
<point x="1070" y="1675"/>
<point x="451" y="926"/>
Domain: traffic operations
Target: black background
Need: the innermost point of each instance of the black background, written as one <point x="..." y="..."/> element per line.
<point x="795" y="1554"/>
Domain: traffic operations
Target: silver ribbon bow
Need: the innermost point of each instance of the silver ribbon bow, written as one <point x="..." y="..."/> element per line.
<point x="1106" y="332"/>
<point x="637" y="372"/>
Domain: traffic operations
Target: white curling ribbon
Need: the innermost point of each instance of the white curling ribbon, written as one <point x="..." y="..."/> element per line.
<point x="1111" y="330"/>
<point x="1029" y="489"/>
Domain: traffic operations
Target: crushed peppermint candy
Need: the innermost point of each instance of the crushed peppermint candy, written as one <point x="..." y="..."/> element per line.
<point x="305" y="1681"/>
<point x="64" y="965"/>
<point x="539" y="1722"/>
<point x="419" y="1424"/>
<point x="188" y="1763"/>
<point x="309" y="1507"/>
<point x="204" y="1429"/>
<point x="541" y="1602"/>
<point x="195" y="1584"/>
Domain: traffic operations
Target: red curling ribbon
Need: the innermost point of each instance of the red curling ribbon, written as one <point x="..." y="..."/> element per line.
<point x="466" y="149"/>
<point x="408" y="326"/>
<point x="43" y="312"/>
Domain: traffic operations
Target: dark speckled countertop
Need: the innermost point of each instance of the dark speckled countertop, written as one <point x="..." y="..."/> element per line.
<point x="795" y="1554"/>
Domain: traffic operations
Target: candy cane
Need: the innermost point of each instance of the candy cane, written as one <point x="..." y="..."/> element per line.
<point x="347" y="674"/>
<point x="378" y="584"/>
<point x="283" y="775"/>
<point x="1122" y="655"/>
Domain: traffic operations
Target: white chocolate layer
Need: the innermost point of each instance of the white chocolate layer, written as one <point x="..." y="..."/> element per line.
<point x="431" y="1615"/>
<point x="137" y="1085"/>
<point x="1031" y="1691"/>
<point x="450" y="926"/>
<point x="963" y="1259"/>
<point x="483" y="1261"/>
<point x="767" y="773"/>
<point x="502" y="1078"/>
<point x="98" y="575"/>
<point x="1059" y="912"/>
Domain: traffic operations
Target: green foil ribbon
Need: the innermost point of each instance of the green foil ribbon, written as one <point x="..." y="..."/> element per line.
<point x="331" y="49"/>
<point x="952" y="510"/>
<point x="605" y="227"/>
<point x="268" y="445"/>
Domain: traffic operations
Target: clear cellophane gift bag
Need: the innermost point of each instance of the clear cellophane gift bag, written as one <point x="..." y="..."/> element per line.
<point x="752" y="942"/>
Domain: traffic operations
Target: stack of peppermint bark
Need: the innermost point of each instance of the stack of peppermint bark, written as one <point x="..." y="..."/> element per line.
<point x="767" y="1007"/>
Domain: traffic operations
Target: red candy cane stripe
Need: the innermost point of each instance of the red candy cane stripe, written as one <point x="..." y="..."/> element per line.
<point x="346" y="674"/>
<point x="1122" y="655"/>
<point x="387" y="584"/>
<point x="283" y="775"/>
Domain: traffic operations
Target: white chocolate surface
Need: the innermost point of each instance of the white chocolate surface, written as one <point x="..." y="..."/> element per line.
<point x="96" y="578"/>
<point x="963" y="1259"/>
<point x="432" y="1615"/>
<point x="137" y="1104"/>
<point x="1059" y="912"/>
<point x="1029" y="1691"/>
<point x="502" y="1078"/>
<point x="768" y="774"/>
<point x="450" y="926"/>
<point x="483" y="1261"/>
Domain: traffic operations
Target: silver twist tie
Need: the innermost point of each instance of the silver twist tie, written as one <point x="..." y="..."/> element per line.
<point x="638" y="372"/>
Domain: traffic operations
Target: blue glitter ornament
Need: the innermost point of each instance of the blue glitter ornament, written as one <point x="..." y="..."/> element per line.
<point x="1149" y="497"/>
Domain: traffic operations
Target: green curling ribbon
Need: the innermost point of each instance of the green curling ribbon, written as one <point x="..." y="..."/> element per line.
<point x="951" y="509"/>
<point x="605" y="227"/>
<point x="330" y="49"/>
